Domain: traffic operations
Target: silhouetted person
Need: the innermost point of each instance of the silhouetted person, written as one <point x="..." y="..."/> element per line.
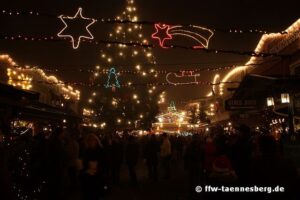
<point x="91" y="175"/>
<point x="222" y="172"/>
<point x="271" y="169"/>
<point x="131" y="156"/>
<point x="116" y="159"/>
<point x="6" y="191"/>
<point x="56" y="165"/>
<point x="39" y="158"/>
<point x="108" y="158"/>
<point x="210" y="152"/>
<point x="151" y="151"/>
<point x="194" y="157"/>
<point x="242" y="150"/>
<point x="72" y="150"/>
<point x="165" y="154"/>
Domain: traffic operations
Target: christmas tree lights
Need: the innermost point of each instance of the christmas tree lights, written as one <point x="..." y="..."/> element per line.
<point x="133" y="106"/>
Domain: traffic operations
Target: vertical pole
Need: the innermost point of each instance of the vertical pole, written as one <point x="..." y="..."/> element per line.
<point x="291" y="114"/>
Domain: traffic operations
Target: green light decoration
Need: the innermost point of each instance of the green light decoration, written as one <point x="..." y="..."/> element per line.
<point x="112" y="76"/>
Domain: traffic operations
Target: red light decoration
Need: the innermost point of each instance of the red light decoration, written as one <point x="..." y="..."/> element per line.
<point x="162" y="34"/>
<point x="197" y="33"/>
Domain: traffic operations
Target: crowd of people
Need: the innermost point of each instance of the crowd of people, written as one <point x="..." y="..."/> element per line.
<point x="90" y="164"/>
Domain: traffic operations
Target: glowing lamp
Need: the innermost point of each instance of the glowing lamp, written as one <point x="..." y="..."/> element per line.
<point x="285" y="98"/>
<point x="160" y="119"/>
<point x="270" y="101"/>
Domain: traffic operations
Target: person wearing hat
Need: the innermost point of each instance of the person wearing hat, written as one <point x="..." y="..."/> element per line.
<point x="222" y="172"/>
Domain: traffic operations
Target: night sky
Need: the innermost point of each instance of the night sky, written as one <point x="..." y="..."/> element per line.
<point x="272" y="16"/>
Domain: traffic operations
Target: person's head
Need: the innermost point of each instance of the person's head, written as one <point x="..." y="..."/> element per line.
<point x="267" y="145"/>
<point x="92" y="141"/>
<point x="209" y="140"/>
<point x="222" y="164"/>
<point x="115" y="138"/>
<point x="131" y="138"/>
<point x="244" y="131"/>
<point x="58" y="132"/>
<point x="164" y="135"/>
<point x="153" y="137"/>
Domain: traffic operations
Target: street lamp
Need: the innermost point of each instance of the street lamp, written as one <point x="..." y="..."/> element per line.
<point x="285" y="98"/>
<point x="270" y="101"/>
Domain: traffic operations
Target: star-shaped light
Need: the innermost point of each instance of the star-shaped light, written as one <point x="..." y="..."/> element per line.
<point x="162" y="34"/>
<point x="76" y="41"/>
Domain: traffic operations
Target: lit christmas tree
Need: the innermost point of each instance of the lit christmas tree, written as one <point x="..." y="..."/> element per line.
<point x="121" y="99"/>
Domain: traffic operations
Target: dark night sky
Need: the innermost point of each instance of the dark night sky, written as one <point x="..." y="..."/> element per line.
<point x="243" y="14"/>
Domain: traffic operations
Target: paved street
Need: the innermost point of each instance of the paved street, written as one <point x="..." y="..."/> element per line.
<point x="175" y="188"/>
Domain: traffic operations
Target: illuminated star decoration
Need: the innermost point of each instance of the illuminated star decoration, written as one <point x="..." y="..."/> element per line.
<point x="162" y="34"/>
<point x="182" y="77"/>
<point x="199" y="34"/>
<point x="76" y="41"/>
<point x="112" y="72"/>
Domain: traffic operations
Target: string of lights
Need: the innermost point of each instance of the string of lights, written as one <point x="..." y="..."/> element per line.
<point x="123" y="85"/>
<point x="139" y="22"/>
<point x="89" y="69"/>
<point x="145" y="45"/>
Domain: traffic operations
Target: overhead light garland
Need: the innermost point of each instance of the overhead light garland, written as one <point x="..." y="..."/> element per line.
<point x="138" y="22"/>
<point x="97" y="72"/>
<point x="122" y="72"/>
<point x="150" y="84"/>
<point x="146" y="45"/>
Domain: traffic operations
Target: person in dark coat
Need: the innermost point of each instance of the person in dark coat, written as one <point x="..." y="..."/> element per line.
<point x="131" y="156"/>
<point x="194" y="159"/>
<point x="57" y="165"/>
<point x="91" y="175"/>
<point x="272" y="169"/>
<point x="166" y="155"/>
<point x="151" y="153"/>
<point x="241" y="153"/>
<point x="72" y="150"/>
<point x="6" y="190"/>
<point x="117" y="158"/>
